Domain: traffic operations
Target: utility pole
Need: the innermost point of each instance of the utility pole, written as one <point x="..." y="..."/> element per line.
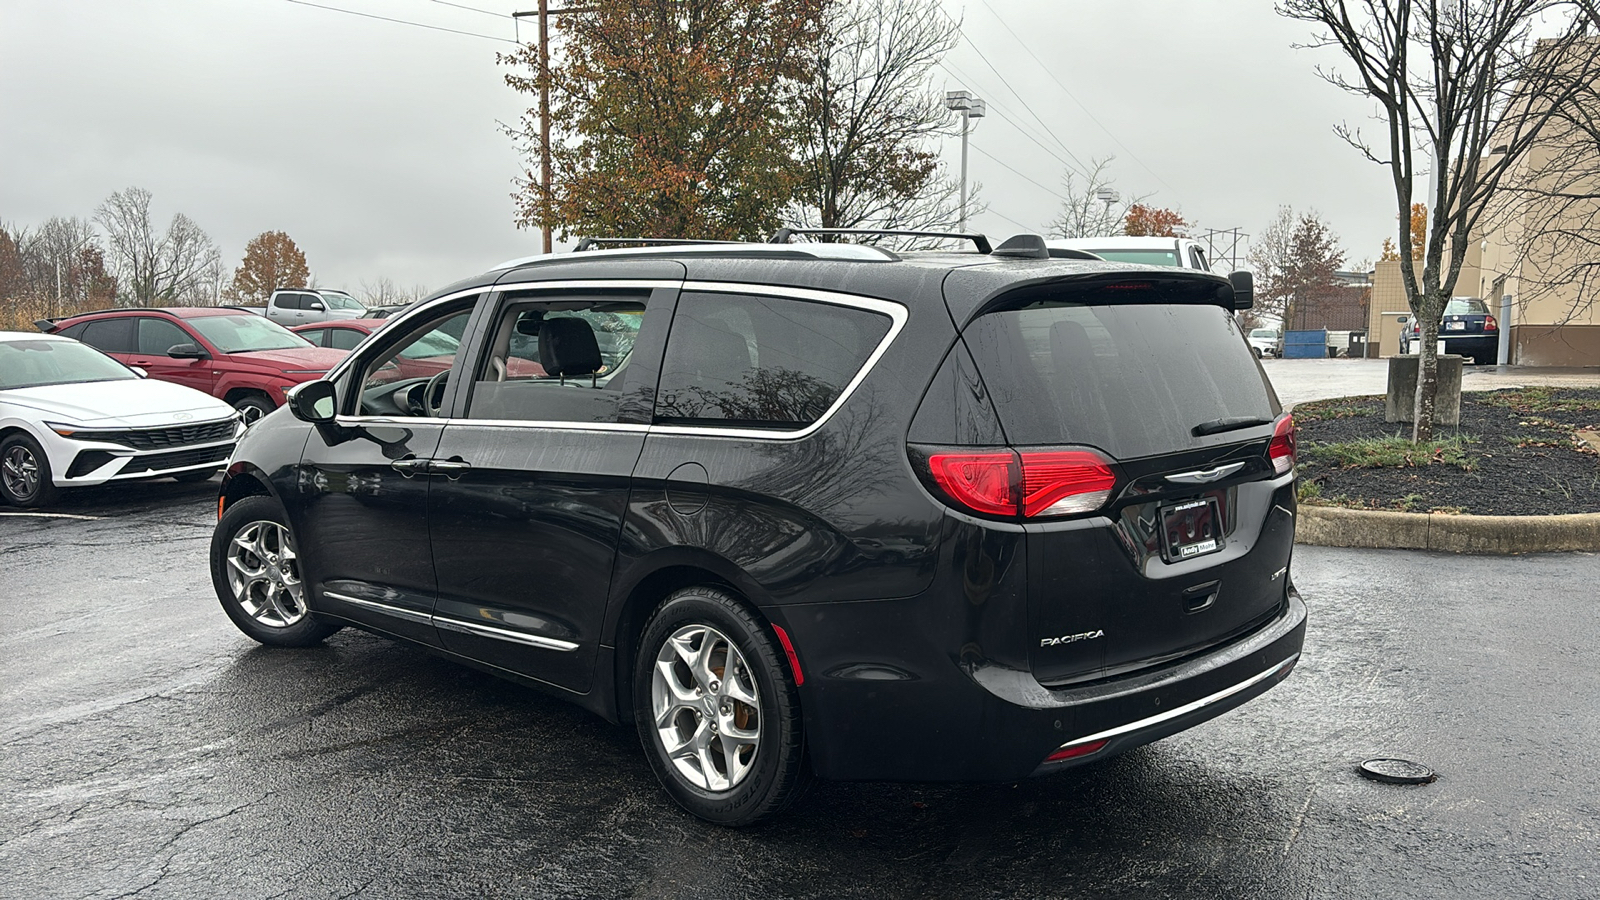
<point x="544" y="12"/>
<point x="970" y="108"/>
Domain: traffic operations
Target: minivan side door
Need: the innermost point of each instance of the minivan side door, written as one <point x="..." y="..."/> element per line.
<point x="535" y="468"/>
<point x="360" y="509"/>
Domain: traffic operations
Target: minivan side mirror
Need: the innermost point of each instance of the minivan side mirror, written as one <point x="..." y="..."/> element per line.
<point x="316" y="306"/>
<point x="314" y="402"/>
<point x="1244" y="290"/>
<point x="187" y="351"/>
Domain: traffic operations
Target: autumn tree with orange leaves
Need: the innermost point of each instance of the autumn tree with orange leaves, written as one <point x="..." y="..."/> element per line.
<point x="271" y="261"/>
<point x="1153" y="221"/>
<point x="668" y="117"/>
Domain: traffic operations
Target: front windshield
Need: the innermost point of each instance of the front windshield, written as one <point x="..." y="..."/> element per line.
<point x="1142" y="257"/>
<point x="25" y="364"/>
<point x="246" y="333"/>
<point x="433" y="344"/>
<point x="337" y="300"/>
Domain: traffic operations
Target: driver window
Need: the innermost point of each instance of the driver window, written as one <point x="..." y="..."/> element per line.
<point x="407" y="378"/>
<point x="558" y="360"/>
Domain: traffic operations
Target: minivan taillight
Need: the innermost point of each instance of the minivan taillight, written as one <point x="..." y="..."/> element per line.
<point x="1030" y="482"/>
<point x="1281" y="450"/>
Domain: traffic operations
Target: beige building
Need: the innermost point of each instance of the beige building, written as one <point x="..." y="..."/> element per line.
<point x="1553" y="281"/>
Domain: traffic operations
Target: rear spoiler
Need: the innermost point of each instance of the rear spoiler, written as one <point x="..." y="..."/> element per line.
<point x="1108" y="284"/>
<point x="47" y="325"/>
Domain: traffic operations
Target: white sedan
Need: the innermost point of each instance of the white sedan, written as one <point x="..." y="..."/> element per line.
<point x="71" y="416"/>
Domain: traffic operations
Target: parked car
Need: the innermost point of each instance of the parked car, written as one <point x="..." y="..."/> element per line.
<point x="1467" y="328"/>
<point x="808" y="508"/>
<point x="298" y="306"/>
<point x="71" y="416"/>
<point x="1266" y="342"/>
<point x="245" y="360"/>
<point x="1181" y="253"/>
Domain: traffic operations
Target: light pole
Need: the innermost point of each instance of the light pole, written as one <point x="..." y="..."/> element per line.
<point x="970" y="108"/>
<point x="1107" y="196"/>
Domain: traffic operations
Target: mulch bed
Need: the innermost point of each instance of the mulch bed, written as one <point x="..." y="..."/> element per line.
<point x="1522" y="456"/>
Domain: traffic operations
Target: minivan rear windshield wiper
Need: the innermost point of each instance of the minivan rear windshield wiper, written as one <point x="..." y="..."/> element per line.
<point x="1217" y="426"/>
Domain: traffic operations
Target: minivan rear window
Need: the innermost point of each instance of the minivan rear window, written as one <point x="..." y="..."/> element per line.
<point x="1130" y="379"/>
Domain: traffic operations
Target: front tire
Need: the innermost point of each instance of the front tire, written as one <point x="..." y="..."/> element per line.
<point x="256" y="573"/>
<point x="717" y="711"/>
<point x="25" y="478"/>
<point x="252" y="406"/>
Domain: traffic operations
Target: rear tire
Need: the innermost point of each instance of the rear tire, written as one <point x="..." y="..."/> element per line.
<point x="702" y="657"/>
<point x="256" y="573"/>
<point x="25" y="478"/>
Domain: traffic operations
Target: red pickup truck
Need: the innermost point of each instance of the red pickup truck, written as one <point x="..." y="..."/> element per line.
<point x="243" y="359"/>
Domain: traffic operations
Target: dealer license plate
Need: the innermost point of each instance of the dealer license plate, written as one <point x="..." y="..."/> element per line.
<point x="1455" y="326"/>
<point x="1191" y="529"/>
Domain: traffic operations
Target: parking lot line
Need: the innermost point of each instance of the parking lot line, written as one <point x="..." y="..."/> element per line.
<point x="45" y="515"/>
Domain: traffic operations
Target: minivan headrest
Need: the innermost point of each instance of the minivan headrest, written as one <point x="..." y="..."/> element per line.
<point x="567" y="347"/>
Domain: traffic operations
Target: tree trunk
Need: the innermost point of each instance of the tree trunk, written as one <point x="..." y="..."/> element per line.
<point x="1427" y="379"/>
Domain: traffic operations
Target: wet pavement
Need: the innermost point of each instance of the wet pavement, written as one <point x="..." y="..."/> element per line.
<point x="152" y="750"/>
<point x="1304" y="380"/>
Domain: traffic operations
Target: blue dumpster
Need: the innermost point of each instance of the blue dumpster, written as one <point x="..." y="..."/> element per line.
<point x="1305" y="344"/>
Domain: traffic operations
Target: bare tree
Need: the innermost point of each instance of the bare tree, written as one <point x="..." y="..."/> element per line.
<point x="384" y="291"/>
<point x="180" y="266"/>
<point x="1465" y="86"/>
<point x="1084" y="214"/>
<point x="869" y="119"/>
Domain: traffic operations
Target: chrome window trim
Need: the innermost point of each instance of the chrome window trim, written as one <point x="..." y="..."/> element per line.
<point x="896" y="312"/>
<point x="504" y="634"/>
<point x="1185" y="709"/>
<point x="897" y="321"/>
<point x="410" y="615"/>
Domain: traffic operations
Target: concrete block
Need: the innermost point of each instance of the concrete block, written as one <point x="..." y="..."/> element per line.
<point x="1400" y="403"/>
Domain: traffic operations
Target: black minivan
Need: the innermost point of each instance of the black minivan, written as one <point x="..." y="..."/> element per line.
<point x="800" y="508"/>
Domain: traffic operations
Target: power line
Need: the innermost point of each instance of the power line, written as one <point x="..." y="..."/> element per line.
<point x="1002" y="113"/>
<point x="1072" y="96"/>
<point x="1019" y="174"/>
<point x="1012" y="221"/>
<point x="1007" y="85"/>
<point x="352" y="12"/>
<point x="497" y="15"/>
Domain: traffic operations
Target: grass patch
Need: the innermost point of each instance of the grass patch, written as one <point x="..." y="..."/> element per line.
<point x="1391" y="452"/>
<point x="1539" y="399"/>
<point x="1341" y="408"/>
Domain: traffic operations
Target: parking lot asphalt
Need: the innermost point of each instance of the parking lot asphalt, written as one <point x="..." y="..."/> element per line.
<point x="151" y="750"/>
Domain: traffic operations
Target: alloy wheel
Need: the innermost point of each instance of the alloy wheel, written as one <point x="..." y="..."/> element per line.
<point x="707" y="708"/>
<point x="19" y="471"/>
<point x="264" y="574"/>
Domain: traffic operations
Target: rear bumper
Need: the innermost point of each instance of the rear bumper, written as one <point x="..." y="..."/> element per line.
<point x="976" y="722"/>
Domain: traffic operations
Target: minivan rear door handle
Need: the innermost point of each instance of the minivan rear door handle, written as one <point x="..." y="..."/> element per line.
<point x="409" y="465"/>
<point x="453" y="468"/>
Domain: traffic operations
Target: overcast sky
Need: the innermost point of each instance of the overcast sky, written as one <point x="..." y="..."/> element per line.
<point x="377" y="147"/>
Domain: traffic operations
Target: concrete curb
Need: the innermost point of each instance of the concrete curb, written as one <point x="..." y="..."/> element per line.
<point x="1330" y="526"/>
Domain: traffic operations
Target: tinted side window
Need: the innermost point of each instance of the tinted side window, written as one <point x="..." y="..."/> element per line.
<point x="559" y="360"/>
<point x="287" y="301"/>
<point x="75" y="332"/>
<point x="761" y="361"/>
<point x="157" y="336"/>
<point x="315" y="336"/>
<point x="343" y="338"/>
<point x="110" y="335"/>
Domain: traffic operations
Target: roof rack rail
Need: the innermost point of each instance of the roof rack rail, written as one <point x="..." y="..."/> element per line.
<point x="782" y="235"/>
<point x="590" y="243"/>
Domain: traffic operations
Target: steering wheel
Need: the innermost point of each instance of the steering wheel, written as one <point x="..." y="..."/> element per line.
<point x="433" y="393"/>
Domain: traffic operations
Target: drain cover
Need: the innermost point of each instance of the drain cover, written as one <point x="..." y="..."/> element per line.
<point x="1397" y="771"/>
